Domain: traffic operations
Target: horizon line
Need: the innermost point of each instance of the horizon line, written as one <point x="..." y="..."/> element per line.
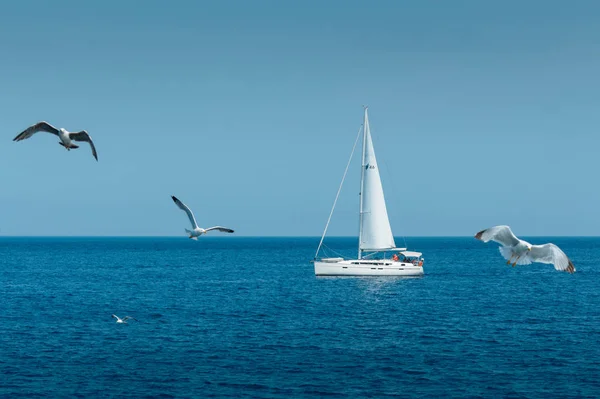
<point x="267" y="236"/>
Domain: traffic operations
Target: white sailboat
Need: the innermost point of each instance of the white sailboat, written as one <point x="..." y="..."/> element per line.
<point x="376" y="240"/>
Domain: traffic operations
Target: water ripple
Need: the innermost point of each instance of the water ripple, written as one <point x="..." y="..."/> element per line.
<point x="246" y="317"/>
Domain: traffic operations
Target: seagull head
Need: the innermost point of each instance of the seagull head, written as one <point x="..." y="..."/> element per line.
<point x="529" y="247"/>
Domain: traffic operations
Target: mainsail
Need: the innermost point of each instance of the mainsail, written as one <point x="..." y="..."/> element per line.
<point x="375" y="231"/>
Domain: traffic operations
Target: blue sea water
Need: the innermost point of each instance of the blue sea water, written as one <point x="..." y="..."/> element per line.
<point x="246" y="317"/>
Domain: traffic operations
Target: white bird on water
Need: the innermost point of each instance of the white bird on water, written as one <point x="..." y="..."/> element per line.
<point x="197" y="231"/>
<point x="66" y="137"/>
<point x="124" y="319"/>
<point x="519" y="252"/>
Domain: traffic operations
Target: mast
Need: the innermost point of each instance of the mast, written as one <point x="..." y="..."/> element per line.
<point x="362" y="182"/>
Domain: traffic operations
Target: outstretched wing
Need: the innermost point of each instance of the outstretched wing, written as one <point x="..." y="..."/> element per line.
<point x="84" y="136"/>
<point x="501" y="234"/>
<point x="33" y="129"/>
<point x="550" y="253"/>
<point x="115" y="316"/>
<point x="129" y="317"/>
<point x="220" y="228"/>
<point x="187" y="210"/>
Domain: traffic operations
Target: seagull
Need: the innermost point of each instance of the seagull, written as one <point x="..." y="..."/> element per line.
<point x="124" y="319"/>
<point x="522" y="252"/>
<point x="197" y="231"/>
<point x="66" y="137"/>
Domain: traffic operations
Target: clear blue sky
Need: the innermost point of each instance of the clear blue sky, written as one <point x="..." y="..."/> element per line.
<point x="482" y="113"/>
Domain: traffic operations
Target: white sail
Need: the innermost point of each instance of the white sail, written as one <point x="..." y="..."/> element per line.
<point x="375" y="230"/>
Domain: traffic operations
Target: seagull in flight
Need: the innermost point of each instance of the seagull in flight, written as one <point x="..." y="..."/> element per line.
<point x="197" y="231"/>
<point x="124" y="319"/>
<point x="66" y="137"/>
<point x="519" y="252"/>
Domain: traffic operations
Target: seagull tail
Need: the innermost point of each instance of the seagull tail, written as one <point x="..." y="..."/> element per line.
<point x="190" y="233"/>
<point x="72" y="146"/>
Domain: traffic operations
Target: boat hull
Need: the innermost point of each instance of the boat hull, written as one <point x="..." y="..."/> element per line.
<point x="366" y="268"/>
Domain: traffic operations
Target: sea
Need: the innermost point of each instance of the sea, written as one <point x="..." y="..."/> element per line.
<point x="237" y="317"/>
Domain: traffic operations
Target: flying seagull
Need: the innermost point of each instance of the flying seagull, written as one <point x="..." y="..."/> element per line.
<point x="519" y="252"/>
<point x="124" y="319"/>
<point x="66" y="137"/>
<point x="197" y="231"/>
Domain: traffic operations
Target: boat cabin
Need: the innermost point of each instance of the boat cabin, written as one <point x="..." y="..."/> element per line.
<point x="416" y="258"/>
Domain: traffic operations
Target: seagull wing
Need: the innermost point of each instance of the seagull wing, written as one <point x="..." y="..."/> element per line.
<point x="187" y="210"/>
<point x="84" y="136"/>
<point x="115" y="316"/>
<point x="129" y="317"/>
<point x="220" y="228"/>
<point x="550" y="253"/>
<point x="33" y="129"/>
<point x="501" y="234"/>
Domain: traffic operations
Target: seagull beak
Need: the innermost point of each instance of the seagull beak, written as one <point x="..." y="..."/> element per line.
<point x="529" y="249"/>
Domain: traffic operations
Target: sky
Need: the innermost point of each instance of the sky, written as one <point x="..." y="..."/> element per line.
<point x="482" y="113"/>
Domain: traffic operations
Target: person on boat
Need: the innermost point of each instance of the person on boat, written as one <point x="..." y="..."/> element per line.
<point x="395" y="258"/>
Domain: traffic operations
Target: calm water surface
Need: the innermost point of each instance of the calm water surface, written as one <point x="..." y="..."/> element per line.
<point x="246" y="317"/>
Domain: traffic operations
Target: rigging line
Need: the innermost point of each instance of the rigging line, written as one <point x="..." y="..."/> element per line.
<point x="332" y="250"/>
<point x="390" y="180"/>
<point x="394" y="191"/>
<point x="338" y="192"/>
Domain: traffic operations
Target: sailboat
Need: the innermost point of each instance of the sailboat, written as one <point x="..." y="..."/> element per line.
<point x="377" y="251"/>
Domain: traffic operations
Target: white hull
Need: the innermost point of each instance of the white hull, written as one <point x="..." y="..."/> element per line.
<point x="366" y="267"/>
